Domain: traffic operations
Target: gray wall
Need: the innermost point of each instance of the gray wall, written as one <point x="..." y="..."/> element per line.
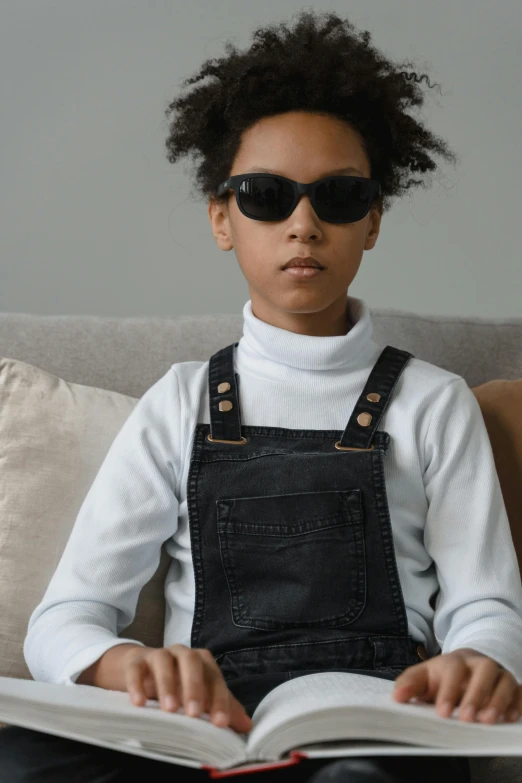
<point x="94" y="220"/>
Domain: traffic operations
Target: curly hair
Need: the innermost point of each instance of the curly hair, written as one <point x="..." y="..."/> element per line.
<point x="322" y="66"/>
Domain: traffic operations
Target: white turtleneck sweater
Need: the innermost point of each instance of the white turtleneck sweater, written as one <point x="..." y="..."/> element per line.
<point x="449" y="522"/>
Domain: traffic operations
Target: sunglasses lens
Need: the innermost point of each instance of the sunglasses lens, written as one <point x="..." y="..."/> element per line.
<point x="337" y="199"/>
<point x="342" y="199"/>
<point x="266" y="198"/>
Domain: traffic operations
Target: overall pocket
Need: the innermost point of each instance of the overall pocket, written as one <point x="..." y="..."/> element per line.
<point x="294" y="560"/>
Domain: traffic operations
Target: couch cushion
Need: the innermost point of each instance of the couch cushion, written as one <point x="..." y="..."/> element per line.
<point x="501" y="405"/>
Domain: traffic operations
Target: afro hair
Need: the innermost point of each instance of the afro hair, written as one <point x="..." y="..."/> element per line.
<point x="322" y="65"/>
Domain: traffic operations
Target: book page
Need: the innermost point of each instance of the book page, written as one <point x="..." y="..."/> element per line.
<point x="298" y="696"/>
<point x="334" y="705"/>
<point x="325" y="688"/>
<point x="89" y="711"/>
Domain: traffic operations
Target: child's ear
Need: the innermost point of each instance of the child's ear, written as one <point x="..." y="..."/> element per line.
<point x="220" y="223"/>
<point x="374" y="225"/>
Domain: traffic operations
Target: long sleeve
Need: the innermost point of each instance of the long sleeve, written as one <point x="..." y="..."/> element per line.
<point x="115" y="544"/>
<point x="467" y="534"/>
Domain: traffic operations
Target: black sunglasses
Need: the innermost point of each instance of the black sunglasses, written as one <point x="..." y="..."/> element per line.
<point x="272" y="197"/>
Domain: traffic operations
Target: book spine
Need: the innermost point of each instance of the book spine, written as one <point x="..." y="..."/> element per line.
<point x="295" y="758"/>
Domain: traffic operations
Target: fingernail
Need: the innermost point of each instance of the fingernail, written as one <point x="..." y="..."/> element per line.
<point x="467" y="712"/>
<point x="513" y="715"/>
<point x="193" y="707"/>
<point x="446" y="708"/>
<point x="169" y="702"/>
<point x="490" y="714"/>
<point x="135" y="697"/>
<point x="221" y="718"/>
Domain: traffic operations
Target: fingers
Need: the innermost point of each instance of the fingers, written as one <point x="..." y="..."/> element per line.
<point x="135" y="671"/>
<point x="185" y="677"/>
<point x="504" y="698"/>
<point x="166" y="677"/>
<point x="454" y="678"/>
<point x="483" y="691"/>
<point x="428" y="682"/>
<point x="480" y="687"/>
<point x="239" y="718"/>
<point x="413" y="681"/>
<point x="177" y="674"/>
<point x="514" y="710"/>
<point x="190" y="665"/>
<point x="223" y="707"/>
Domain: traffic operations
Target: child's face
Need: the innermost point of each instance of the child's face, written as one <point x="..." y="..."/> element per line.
<point x="304" y="147"/>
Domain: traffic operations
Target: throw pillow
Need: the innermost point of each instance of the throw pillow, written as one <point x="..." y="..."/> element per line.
<point x="54" y="436"/>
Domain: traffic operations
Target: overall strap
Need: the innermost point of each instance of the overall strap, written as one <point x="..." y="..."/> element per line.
<point x="223" y="395"/>
<point x="225" y="417"/>
<point x="374" y="400"/>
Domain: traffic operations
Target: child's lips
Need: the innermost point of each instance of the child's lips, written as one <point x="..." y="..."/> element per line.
<point x="303" y="272"/>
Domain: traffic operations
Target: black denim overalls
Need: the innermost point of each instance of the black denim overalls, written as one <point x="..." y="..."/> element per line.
<point x="295" y="568"/>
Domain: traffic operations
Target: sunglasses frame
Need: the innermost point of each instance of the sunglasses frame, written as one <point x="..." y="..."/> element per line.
<point x="234" y="183"/>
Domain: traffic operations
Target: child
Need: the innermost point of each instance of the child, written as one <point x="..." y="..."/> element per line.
<point x="329" y="503"/>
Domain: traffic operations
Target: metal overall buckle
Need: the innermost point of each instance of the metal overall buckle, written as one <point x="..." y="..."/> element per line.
<point x="364" y="419"/>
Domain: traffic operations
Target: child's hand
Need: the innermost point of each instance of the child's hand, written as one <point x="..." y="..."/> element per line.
<point x="190" y="676"/>
<point x="465" y="676"/>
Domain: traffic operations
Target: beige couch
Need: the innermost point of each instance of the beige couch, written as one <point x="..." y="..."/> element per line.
<point x="67" y="384"/>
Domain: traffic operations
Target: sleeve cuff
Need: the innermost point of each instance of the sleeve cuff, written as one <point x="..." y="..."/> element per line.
<point x="86" y="657"/>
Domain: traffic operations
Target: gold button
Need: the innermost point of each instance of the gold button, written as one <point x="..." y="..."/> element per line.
<point x="223" y="387"/>
<point x="422" y="652"/>
<point x="373" y="397"/>
<point x="364" y="419"/>
<point x="226" y="405"/>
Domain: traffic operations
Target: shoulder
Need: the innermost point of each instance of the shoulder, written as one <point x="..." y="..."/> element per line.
<point x="430" y="396"/>
<point x="427" y="381"/>
<point x="446" y="413"/>
<point x="191" y="378"/>
<point x="422" y="382"/>
<point x="170" y="385"/>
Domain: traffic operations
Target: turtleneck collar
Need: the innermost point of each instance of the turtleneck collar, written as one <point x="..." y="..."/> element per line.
<point x="263" y="341"/>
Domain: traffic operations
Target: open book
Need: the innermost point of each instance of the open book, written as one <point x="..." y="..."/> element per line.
<point x="325" y="714"/>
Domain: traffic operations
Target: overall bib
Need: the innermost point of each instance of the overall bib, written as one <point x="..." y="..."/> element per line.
<point x="294" y="562"/>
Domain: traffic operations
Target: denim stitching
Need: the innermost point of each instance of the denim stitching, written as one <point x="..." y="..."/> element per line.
<point x="239" y="611"/>
<point x="387" y="539"/>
